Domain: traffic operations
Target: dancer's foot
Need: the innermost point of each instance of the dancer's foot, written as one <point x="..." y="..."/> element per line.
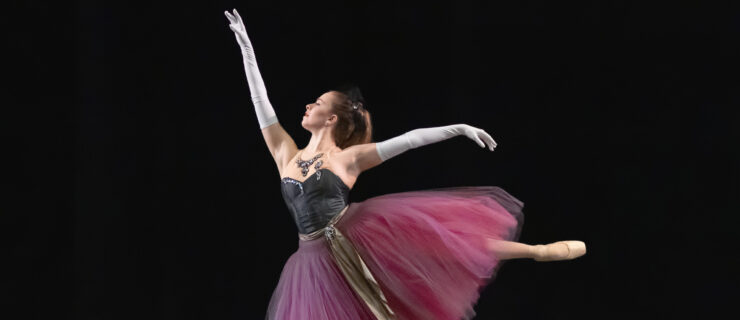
<point x="561" y="250"/>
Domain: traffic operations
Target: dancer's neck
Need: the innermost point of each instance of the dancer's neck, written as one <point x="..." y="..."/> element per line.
<point x="320" y="142"/>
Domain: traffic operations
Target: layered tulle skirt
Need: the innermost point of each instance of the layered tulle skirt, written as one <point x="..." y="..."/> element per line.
<point x="428" y="251"/>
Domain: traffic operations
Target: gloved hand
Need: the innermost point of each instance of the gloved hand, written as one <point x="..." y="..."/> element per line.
<point x="419" y="137"/>
<point x="265" y="113"/>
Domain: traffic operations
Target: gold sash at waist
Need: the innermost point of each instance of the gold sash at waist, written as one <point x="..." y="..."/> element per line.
<point x="318" y="233"/>
<point x="353" y="267"/>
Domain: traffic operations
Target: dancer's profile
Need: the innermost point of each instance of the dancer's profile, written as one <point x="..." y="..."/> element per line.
<point x="420" y="254"/>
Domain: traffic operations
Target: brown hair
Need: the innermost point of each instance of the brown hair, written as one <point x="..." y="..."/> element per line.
<point x="353" y="125"/>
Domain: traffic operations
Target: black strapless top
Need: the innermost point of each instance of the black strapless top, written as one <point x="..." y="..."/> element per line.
<point x="316" y="200"/>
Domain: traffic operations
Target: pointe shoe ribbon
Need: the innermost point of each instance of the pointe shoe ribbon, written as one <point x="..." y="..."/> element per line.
<point x="575" y="250"/>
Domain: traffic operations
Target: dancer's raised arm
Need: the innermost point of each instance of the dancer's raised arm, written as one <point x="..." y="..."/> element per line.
<point x="281" y="145"/>
<point x="371" y="154"/>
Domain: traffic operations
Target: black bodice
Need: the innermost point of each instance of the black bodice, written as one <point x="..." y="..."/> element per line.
<point x="316" y="200"/>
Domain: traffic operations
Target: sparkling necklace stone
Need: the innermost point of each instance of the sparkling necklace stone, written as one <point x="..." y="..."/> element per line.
<point x="305" y="164"/>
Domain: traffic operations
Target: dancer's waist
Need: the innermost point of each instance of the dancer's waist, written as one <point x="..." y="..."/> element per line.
<point x="329" y="225"/>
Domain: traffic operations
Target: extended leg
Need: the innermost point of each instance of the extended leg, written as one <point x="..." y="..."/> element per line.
<point x="561" y="250"/>
<point x="511" y="250"/>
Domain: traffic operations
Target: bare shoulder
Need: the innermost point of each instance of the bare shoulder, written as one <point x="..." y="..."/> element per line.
<point x="358" y="158"/>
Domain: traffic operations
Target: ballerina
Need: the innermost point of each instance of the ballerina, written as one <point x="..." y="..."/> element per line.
<point x="421" y="254"/>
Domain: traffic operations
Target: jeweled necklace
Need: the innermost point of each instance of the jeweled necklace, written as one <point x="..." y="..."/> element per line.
<point x="304" y="164"/>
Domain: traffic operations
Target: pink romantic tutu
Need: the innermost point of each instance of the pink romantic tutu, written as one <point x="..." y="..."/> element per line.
<point x="426" y="249"/>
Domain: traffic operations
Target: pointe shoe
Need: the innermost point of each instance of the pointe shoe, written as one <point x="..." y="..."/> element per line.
<point x="575" y="250"/>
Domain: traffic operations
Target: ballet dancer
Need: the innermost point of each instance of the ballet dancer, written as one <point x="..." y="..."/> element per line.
<point x="420" y="254"/>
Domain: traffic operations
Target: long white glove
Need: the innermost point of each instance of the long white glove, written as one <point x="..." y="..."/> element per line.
<point x="419" y="137"/>
<point x="265" y="114"/>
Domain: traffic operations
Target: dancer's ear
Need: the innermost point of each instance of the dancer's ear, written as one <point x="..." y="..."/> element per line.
<point x="332" y="119"/>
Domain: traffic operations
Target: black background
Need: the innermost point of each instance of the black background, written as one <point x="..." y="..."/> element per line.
<point x="142" y="187"/>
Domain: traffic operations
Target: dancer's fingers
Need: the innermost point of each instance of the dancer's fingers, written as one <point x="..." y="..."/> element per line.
<point x="229" y="16"/>
<point x="491" y="142"/>
<point x="479" y="142"/>
<point x="488" y="144"/>
<point x="236" y="13"/>
<point x="484" y="136"/>
<point x="486" y="141"/>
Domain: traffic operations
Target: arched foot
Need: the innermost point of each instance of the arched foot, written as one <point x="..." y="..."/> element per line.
<point x="561" y="250"/>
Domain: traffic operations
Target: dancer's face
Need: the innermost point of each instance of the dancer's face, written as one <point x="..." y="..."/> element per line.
<point x="319" y="113"/>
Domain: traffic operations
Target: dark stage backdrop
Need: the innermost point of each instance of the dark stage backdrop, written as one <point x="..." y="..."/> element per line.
<point x="145" y="190"/>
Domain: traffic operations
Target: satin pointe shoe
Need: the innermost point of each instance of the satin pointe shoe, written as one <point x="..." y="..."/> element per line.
<point x="549" y="252"/>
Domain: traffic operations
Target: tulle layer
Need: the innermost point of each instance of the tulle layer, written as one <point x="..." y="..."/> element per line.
<point x="427" y="249"/>
<point x="311" y="286"/>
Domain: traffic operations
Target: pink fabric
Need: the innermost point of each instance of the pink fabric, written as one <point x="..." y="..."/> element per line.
<point x="311" y="287"/>
<point x="427" y="250"/>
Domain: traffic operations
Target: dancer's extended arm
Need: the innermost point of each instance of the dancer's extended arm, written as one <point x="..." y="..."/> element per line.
<point x="281" y="145"/>
<point x="371" y="154"/>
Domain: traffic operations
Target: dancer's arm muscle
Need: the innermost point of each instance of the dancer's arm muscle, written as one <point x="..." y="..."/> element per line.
<point x="281" y="145"/>
<point x="362" y="157"/>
